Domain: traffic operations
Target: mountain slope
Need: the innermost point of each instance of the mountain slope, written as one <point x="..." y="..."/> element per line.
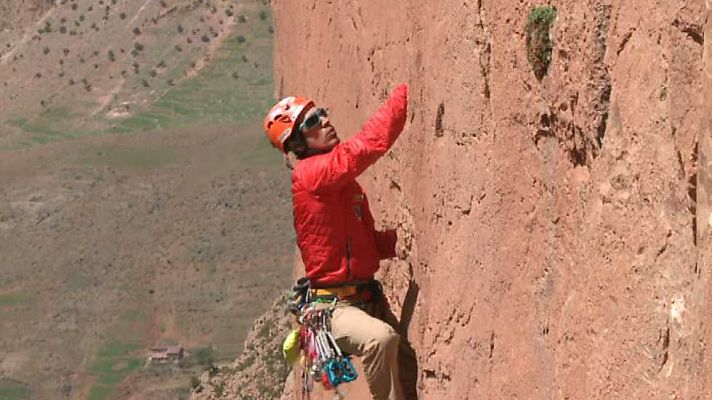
<point x="133" y="215"/>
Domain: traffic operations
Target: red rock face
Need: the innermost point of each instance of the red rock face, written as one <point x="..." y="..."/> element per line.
<point x="554" y="234"/>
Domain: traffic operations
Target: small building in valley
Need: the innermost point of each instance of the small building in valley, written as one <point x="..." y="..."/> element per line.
<point x="162" y="354"/>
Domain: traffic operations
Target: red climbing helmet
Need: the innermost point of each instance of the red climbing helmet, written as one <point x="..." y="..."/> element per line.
<point x="282" y="117"/>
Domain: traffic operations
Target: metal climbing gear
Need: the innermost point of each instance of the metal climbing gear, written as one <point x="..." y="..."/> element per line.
<point x="298" y="296"/>
<point x="323" y="359"/>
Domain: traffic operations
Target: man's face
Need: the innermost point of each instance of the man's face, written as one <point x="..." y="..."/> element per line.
<point x="319" y="135"/>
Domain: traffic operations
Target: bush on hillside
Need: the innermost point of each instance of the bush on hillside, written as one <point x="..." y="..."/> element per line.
<point x="194" y="382"/>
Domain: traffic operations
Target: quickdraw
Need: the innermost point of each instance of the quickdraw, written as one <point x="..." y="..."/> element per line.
<point x="324" y="361"/>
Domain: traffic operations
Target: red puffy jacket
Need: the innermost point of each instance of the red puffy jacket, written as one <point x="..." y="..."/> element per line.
<point x="335" y="229"/>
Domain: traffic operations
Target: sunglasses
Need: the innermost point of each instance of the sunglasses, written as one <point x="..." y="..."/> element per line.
<point x="313" y="120"/>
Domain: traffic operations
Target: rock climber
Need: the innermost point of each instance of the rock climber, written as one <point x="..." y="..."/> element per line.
<point x="336" y="234"/>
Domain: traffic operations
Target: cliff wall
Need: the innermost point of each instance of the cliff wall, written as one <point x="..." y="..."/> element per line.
<point x="554" y="234"/>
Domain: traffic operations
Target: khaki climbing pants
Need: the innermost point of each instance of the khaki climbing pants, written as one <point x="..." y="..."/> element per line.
<point x="359" y="332"/>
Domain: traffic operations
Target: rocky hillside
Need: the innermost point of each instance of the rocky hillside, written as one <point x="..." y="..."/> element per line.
<point x="260" y="369"/>
<point x="554" y="218"/>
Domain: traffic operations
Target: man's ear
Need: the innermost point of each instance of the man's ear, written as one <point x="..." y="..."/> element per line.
<point x="299" y="144"/>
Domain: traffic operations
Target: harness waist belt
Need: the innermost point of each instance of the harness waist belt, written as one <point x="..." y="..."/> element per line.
<point x="340" y="291"/>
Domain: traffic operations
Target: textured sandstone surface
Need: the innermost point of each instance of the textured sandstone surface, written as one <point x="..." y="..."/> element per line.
<point x="554" y="235"/>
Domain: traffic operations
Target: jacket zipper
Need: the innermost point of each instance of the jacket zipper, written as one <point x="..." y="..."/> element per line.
<point x="348" y="259"/>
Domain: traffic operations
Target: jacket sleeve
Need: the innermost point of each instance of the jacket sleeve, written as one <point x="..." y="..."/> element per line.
<point x="386" y="243"/>
<point x="349" y="159"/>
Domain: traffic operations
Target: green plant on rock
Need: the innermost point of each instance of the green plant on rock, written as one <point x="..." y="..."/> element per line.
<point x="539" y="44"/>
